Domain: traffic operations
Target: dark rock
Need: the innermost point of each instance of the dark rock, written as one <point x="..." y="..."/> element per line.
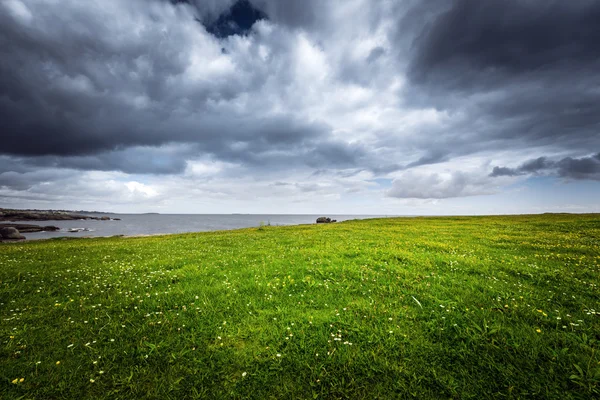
<point x="27" y="228"/>
<point x="11" y="233"/>
<point x="323" y="220"/>
<point x="104" y="218"/>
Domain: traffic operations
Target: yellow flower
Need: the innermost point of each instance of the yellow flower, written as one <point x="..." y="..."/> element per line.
<point x="21" y="380"/>
<point x="58" y="362"/>
<point x="538" y="330"/>
<point x="15" y="381"/>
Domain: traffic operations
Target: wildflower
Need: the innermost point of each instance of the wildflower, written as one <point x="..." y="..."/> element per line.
<point x="244" y="374"/>
<point x="278" y="355"/>
<point x="15" y="381"/>
<point x="92" y="380"/>
<point x="538" y="330"/>
<point x="58" y="362"/>
<point x="21" y="380"/>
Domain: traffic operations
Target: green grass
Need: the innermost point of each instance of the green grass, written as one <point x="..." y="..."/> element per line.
<point x="465" y="307"/>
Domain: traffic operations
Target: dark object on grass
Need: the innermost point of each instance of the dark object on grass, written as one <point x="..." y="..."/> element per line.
<point x="10" y="234"/>
<point x="325" y="220"/>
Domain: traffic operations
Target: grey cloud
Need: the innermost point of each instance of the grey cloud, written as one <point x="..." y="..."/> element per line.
<point x="432" y="157"/>
<point x="521" y="73"/>
<point x="568" y="167"/>
<point x="438" y="186"/>
<point x="132" y="160"/>
<point x="582" y="168"/>
<point x="293" y="13"/>
<point x="25" y="180"/>
<point x="530" y="166"/>
<point x="504" y="171"/>
<point x="506" y="38"/>
<point x="91" y="95"/>
<point x="375" y="54"/>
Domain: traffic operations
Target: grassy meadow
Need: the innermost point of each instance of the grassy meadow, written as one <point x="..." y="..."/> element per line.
<point x="449" y="307"/>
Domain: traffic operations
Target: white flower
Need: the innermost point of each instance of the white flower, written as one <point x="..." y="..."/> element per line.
<point x="244" y="374"/>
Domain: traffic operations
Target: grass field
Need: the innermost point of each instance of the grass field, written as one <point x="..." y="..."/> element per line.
<point x="466" y="307"/>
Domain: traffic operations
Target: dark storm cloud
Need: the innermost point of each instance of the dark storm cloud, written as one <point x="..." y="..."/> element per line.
<point x="77" y="92"/>
<point x="478" y="43"/>
<point x="523" y="72"/>
<point x="568" y="167"/>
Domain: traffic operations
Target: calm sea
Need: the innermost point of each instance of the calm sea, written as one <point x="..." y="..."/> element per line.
<point x="152" y="224"/>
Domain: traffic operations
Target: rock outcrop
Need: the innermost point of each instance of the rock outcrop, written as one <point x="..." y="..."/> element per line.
<point x="8" y="233"/>
<point x="325" y="220"/>
<point x="27" y="228"/>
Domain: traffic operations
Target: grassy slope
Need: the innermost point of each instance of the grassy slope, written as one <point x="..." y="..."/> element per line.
<point x="391" y="308"/>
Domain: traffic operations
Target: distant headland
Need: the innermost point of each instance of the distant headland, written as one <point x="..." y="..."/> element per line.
<point x="7" y="214"/>
<point x="12" y="231"/>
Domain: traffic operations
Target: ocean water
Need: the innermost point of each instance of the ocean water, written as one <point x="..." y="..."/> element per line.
<point x="153" y="224"/>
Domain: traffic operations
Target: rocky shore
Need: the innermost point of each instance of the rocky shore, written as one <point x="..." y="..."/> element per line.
<point x="13" y="231"/>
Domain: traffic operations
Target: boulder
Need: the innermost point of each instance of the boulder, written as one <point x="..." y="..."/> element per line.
<point x="104" y="218"/>
<point x="11" y="233"/>
<point x="323" y="220"/>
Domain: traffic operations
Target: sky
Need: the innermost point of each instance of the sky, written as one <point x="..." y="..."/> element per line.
<point x="395" y="107"/>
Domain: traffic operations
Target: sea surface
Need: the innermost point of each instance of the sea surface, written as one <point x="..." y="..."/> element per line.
<point x="154" y="224"/>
